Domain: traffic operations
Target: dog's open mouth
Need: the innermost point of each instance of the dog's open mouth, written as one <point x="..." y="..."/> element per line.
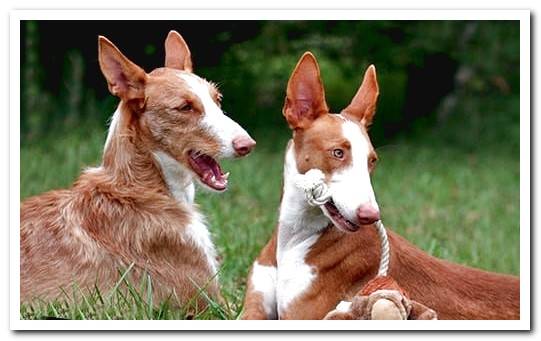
<point x="208" y="170"/>
<point x="338" y="219"/>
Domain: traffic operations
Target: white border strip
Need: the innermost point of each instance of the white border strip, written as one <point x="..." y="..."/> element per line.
<point x="522" y="15"/>
<point x="525" y="144"/>
<point x="272" y="14"/>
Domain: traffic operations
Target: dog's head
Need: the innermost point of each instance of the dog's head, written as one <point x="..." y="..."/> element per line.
<point x="337" y="144"/>
<point x="178" y="112"/>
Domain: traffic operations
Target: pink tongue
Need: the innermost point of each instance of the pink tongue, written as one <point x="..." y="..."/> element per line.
<point x="212" y="174"/>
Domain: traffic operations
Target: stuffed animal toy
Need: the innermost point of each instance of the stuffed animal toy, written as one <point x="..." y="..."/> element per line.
<point x="381" y="299"/>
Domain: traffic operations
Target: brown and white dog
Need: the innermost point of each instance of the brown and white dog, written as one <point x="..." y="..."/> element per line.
<point x="319" y="256"/>
<point x="137" y="207"/>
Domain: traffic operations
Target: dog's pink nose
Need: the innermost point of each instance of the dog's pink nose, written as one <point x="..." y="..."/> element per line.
<point x="367" y="214"/>
<point x="243" y="145"/>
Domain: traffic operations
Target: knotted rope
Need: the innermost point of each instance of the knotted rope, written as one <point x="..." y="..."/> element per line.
<point x="313" y="184"/>
<point x="318" y="193"/>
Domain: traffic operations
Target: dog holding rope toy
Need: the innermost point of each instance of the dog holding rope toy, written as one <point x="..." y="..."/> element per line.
<point x="381" y="298"/>
<point x="325" y="249"/>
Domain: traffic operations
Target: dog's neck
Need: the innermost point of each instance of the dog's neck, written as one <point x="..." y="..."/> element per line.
<point x="131" y="160"/>
<point x="298" y="221"/>
<point x="179" y="180"/>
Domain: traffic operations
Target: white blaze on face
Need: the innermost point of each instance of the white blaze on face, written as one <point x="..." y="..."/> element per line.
<point x="351" y="186"/>
<point x="222" y="128"/>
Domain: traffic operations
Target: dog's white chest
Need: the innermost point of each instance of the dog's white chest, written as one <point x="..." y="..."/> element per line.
<point x="199" y="235"/>
<point x="294" y="276"/>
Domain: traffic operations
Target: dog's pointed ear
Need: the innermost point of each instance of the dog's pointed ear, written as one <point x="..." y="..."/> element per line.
<point x="177" y="53"/>
<point x="363" y="105"/>
<point x="125" y="79"/>
<point x="305" y="97"/>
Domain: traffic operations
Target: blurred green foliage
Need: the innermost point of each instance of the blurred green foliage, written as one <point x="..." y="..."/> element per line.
<point x="477" y="63"/>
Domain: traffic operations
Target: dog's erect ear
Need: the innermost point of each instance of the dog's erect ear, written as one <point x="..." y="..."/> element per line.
<point x="177" y="53"/>
<point x="305" y="98"/>
<point x="125" y="79"/>
<point x="363" y="105"/>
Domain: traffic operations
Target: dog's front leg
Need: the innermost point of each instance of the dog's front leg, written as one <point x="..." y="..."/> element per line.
<point x="260" y="300"/>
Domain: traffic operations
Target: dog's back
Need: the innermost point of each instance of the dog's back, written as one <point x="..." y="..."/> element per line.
<point x="86" y="235"/>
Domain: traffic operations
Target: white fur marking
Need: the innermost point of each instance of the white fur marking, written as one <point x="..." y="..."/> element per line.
<point x="222" y="127"/>
<point x="180" y="184"/>
<point x="115" y="119"/>
<point x="93" y="170"/>
<point x="294" y="275"/>
<point x="199" y="234"/>
<point x="351" y="187"/>
<point x="300" y="226"/>
<point x="264" y="281"/>
<point x="178" y="179"/>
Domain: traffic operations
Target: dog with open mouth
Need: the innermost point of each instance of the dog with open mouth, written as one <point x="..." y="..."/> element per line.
<point x="321" y="255"/>
<point x="136" y="210"/>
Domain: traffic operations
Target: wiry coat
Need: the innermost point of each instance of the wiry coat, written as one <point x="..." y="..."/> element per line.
<point x="115" y="215"/>
<point x="137" y="207"/>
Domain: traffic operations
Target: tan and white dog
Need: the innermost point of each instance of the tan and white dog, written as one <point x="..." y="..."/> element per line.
<point x="137" y="206"/>
<point x="320" y="256"/>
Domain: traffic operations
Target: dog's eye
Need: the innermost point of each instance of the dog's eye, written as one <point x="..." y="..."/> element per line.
<point x="185" y="107"/>
<point x="338" y="153"/>
<point x="373" y="161"/>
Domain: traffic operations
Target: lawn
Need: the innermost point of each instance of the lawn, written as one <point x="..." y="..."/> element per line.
<point x="457" y="204"/>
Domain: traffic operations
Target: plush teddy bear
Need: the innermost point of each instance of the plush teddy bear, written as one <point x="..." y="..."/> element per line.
<point x="381" y="299"/>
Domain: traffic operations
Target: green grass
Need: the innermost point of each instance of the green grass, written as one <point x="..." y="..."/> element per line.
<point x="457" y="204"/>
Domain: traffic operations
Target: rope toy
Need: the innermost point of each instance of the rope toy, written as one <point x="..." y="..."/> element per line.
<point x="381" y="298"/>
<point x="313" y="184"/>
<point x="318" y="194"/>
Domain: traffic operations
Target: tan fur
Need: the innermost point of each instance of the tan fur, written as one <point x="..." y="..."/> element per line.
<point x="305" y="96"/>
<point x="315" y="133"/>
<point x="122" y="212"/>
<point x="363" y="104"/>
<point x="178" y="55"/>
<point x="345" y="262"/>
<point x="382" y="282"/>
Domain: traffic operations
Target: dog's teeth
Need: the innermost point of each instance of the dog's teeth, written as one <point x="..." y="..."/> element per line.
<point x="226" y="175"/>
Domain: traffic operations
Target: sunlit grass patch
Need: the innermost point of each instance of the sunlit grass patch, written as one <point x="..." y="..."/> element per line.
<point x="455" y="204"/>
